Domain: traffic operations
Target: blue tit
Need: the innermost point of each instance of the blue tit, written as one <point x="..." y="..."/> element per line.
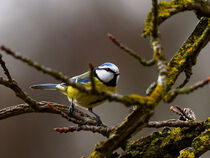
<point x="105" y="77"/>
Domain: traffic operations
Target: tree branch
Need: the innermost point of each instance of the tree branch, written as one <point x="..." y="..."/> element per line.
<point x="6" y="71"/>
<point x="105" y="131"/>
<point x="173" y="123"/>
<point x="165" y="143"/>
<point x="78" y="117"/>
<point x="185" y="90"/>
<point x="131" y="52"/>
<point x="172" y="7"/>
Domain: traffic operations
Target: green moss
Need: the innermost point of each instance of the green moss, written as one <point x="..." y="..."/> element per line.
<point x="154" y="141"/>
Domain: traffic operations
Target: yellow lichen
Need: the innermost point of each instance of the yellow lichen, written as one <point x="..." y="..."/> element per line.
<point x="174" y="135"/>
<point x="187" y="153"/>
<point x="165" y="10"/>
<point x="154" y="141"/>
<point x="205" y="138"/>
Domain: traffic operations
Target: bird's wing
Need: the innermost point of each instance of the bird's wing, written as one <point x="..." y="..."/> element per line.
<point x="81" y="79"/>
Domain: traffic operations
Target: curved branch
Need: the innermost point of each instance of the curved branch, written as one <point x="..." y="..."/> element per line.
<point x="185" y="90"/>
<point x="170" y="8"/>
<point x="142" y="61"/>
<point x="78" y="116"/>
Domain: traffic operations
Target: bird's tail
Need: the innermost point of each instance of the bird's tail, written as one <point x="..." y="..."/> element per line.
<point x="47" y="86"/>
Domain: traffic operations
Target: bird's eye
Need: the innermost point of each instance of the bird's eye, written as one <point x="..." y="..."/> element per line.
<point x="109" y="70"/>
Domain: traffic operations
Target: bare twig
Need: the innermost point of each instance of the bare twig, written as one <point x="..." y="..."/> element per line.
<point x="155" y="19"/>
<point x="78" y="117"/>
<point x="6" y="71"/>
<point x="93" y="88"/>
<point x="19" y="92"/>
<point x="185" y="114"/>
<point x="173" y="123"/>
<point x="39" y="67"/>
<point x="185" y="90"/>
<point x="95" y="129"/>
<point x="131" y="52"/>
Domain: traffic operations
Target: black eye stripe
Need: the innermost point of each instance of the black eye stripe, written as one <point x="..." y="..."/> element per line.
<point x="107" y="69"/>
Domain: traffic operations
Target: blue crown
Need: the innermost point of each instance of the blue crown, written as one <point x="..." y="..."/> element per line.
<point x="107" y="64"/>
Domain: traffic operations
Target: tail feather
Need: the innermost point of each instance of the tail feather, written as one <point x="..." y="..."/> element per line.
<point x="47" y="86"/>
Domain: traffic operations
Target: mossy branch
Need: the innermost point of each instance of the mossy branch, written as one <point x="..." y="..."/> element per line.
<point x="165" y="143"/>
<point x="199" y="145"/>
<point x="190" y="50"/>
<point x="170" y="8"/>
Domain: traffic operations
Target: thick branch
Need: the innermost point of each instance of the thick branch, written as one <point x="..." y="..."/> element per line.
<point x="189" y="51"/>
<point x="165" y="143"/>
<point x="170" y="8"/>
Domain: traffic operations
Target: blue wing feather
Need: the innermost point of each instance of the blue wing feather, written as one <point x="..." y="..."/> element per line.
<point x="81" y="79"/>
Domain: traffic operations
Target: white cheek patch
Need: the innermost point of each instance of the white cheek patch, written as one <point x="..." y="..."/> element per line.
<point x="104" y="75"/>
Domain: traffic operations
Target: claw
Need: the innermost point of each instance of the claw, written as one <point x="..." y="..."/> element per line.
<point x="98" y="119"/>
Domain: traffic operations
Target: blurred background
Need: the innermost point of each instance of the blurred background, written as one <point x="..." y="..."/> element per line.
<point x="66" y="35"/>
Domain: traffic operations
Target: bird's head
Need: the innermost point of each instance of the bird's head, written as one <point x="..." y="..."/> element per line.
<point x="107" y="73"/>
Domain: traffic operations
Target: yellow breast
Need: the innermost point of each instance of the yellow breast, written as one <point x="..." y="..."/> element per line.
<point x="87" y="100"/>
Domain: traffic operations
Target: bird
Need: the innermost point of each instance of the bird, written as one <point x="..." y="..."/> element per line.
<point x="105" y="77"/>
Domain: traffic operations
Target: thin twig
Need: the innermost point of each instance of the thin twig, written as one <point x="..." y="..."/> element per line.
<point x="6" y="71"/>
<point x="155" y="18"/>
<point x="131" y="52"/>
<point x="173" y="123"/>
<point x="95" y="129"/>
<point x="93" y="87"/>
<point x="39" y="67"/>
<point x="185" y="90"/>
<point x="185" y="115"/>
<point x="157" y="48"/>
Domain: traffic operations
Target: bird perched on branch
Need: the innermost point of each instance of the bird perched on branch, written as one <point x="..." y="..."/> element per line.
<point x="105" y="78"/>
